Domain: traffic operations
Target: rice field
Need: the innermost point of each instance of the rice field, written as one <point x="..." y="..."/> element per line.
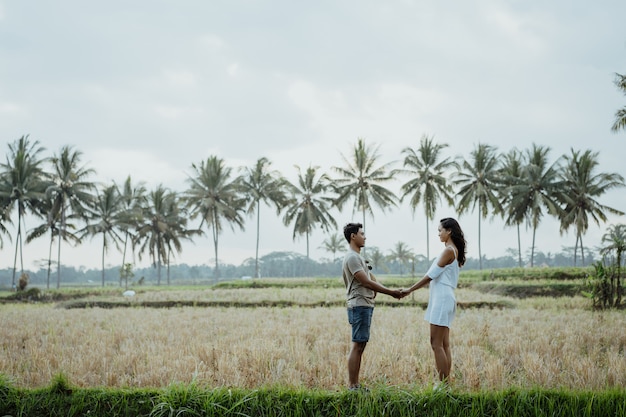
<point x="538" y="342"/>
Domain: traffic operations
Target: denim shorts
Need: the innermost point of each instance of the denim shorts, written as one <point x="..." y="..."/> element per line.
<point x="361" y="319"/>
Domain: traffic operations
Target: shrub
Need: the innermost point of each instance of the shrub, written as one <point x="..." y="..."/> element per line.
<point x="23" y="282"/>
<point x="604" y="286"/>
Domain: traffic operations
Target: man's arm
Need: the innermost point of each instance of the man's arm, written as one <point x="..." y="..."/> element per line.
<point x="365" y="281"/>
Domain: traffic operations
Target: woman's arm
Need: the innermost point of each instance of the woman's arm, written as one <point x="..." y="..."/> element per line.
<point x="419" y="284"/>
<point x="446" y="257"/>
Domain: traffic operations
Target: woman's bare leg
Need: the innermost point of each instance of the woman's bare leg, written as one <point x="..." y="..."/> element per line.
<point x="440" y="343"/>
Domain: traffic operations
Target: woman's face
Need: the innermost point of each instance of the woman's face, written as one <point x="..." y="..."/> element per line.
<point x="444" y="233"/>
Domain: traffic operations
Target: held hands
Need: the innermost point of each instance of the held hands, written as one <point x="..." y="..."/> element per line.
<point x="404" y="292"/>
<point x="399" y="294"/>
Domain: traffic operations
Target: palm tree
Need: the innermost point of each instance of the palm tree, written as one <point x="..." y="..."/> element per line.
<point x="177" y="229"/>
<point x="377" y="258"/>
<point x="620" y="115"/>
<point x="71" y="193"/>
<point x="583" y="187"/>
<point x="4" y="219"/>
<point x="104" y="218"/>
<point x="262" y="185"/>
<point x="51" y="223"/>
<point x="614" y="240"/>
<point x="133" y="198"/>
<point x="402" y="254"/>
<point x="361" y="180"/>
<point x="538" y="188"/>
<point x="309" y="205"/>
<point x="214" y="196"/>
<point x="22" y="184"/>
<point x="510" y="174"/>
<point x="428" y="184"/>
<point x="158" y="224"/>
<point x="333" y="244"/>
<point x="478" y="179"/>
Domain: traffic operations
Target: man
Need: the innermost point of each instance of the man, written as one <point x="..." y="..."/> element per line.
<point x="360" y="292"/>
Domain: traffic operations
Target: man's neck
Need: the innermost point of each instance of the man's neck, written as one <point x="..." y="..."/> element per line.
<point x="355" y="248"/>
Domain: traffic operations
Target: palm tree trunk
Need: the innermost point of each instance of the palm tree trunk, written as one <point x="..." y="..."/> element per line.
<point x="519" y="248"/>
<point x="480" y="252"/>
<point x="159" y="269"/>
<point x="49" y="258"/>
<point x="124" y="259"/>
<point x="575" y="249"/>
<point x="258" y="224"/>
<point x="61" y="232"/>
<point x="612" y="289"/>
<point x="307" y="244"/>
<point x="363" y="212"/>
<point x="22" y="249"/>
<point x="427" y="238"/>
<point x="582" y="251"/>
<point x="103" y="246"/>
<point x="17" y="243"/>
<point x="168" y="266"/>
<point x="618" y="300"/>
<point x="216" y="273"/>
<point x="59" y="261"/>
<point x="532" y="248"/>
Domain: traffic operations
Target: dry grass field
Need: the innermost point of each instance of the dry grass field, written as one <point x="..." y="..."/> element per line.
<point x="538" y="342"/>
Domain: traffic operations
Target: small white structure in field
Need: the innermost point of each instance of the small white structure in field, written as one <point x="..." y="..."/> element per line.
<point x="128" y="293"/>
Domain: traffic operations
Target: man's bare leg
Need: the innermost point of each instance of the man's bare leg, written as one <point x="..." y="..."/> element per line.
<point x="354" y="362"/>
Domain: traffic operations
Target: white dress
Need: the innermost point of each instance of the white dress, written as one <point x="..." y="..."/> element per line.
<point x="441" y="300"/>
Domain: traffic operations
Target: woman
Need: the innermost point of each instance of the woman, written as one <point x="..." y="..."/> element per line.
<point x="443" y="277"/>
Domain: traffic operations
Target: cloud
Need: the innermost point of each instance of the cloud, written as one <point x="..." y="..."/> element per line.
<point x="141" y="164"/>
<point x="167" y="86"/>
<point x="212" y="41"/>
<point x="233" y="69"/>
<point x="10" y="109"/>
<point x="178" y="113"/>
<point x="524" y="29"/>
<point x="180" y="78"/>
<point x="392" y="114"/>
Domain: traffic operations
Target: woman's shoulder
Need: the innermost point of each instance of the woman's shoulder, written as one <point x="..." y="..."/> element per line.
<point x="448" y="254"/>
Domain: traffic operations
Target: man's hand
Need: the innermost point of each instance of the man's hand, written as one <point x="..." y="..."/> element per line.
<point x="397" y="294"/>
<point x="403" y="293"/>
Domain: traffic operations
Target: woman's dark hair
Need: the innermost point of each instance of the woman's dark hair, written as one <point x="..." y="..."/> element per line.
<point x="456" y="234"/>
<point x="350" y="228"/>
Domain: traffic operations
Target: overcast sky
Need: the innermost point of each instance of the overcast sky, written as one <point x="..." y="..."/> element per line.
<point x="147" y="88"/>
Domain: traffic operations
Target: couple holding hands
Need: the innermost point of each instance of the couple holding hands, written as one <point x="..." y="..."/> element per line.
<point x="442" y="278"/>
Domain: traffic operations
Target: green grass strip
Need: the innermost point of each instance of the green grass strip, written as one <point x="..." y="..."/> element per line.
<point x="61" y="399"/>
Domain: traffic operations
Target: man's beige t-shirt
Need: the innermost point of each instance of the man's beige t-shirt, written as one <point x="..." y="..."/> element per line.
<point x="356" y="294"/>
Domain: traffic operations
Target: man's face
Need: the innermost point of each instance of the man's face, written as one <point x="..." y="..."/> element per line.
<point x="359" y="238"/>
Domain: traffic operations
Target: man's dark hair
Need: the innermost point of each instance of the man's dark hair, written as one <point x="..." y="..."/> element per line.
<point x="350" y="228"/>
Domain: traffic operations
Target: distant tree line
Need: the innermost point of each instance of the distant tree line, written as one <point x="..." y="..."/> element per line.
<point x="519" y="187"/>
<point x="274" y="265"/>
